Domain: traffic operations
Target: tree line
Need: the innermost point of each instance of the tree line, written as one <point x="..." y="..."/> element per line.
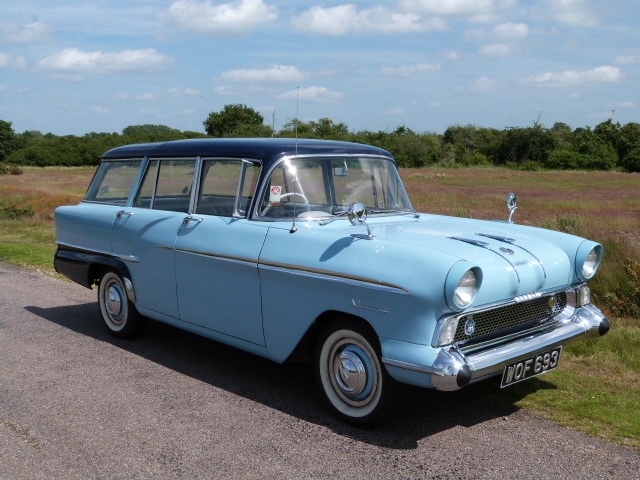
<point x="607" y="146"/>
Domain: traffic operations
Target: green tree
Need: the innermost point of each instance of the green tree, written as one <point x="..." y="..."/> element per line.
<point x="8" y="140"/>
<point x="236" y="120"/>
<point x="629" y="139"/>
<point x="149" y="129"/>
<point x="631" y="161"/>
<point x="521" y="146"/>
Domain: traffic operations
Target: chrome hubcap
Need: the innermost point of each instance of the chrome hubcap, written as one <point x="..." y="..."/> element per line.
<point x="350" y="373"/>
<point x="113" y="301"/>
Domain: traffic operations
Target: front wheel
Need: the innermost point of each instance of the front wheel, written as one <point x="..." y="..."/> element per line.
<point x="118" y="313"/>
<point x="351" y="379"/>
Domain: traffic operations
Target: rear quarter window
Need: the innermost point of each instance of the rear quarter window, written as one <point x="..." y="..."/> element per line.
<point x="113" y="182"/>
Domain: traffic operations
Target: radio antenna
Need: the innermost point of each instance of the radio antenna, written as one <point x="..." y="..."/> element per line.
<point x="294" y="229"/>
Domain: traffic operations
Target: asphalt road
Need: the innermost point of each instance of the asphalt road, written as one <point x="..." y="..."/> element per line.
<point x="76" y="403"/>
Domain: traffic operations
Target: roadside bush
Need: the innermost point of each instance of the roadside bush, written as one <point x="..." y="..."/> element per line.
<point x="631" y="162"/>
<point x="13" y="211"/>
<point x="563" y="160"/>
<point x="10" y="168"/>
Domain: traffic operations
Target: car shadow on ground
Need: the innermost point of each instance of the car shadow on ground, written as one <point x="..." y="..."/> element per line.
<point x="290" y="388"/>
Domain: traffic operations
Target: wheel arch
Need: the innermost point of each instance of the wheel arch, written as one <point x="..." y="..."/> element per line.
<point x="87" y="268"/>
<point x="305" y="348"/>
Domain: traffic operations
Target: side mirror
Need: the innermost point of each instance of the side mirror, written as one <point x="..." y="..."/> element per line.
<point x="357" y="215"/>
<point x="512" y="205"/>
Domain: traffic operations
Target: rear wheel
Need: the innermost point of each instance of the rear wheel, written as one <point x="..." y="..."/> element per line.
<point x="118" y="313"/>
<point x="350" y="376"/>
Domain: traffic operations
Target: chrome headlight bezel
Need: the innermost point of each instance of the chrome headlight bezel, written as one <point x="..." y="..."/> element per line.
<point x="462" y="285"/>
<point x="588" y="258"/>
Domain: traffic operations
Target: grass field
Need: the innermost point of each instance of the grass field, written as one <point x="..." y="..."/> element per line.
<point x="597" y="388"/>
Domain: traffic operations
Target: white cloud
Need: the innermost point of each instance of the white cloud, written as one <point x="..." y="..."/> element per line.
<point x="188" y="111"/>
<point x="276" y="73"/>
<point x="625" y="105"/>
<point x="627" y="59"/>
<point x="76" y="61"/>
<point x="603" y="74"/>
<point x="572" y="12"/>
<point x="312" y="94"/>
<point x="12" y="61"/>
<point x="511" y="30"/>
<point x="481" y="11"/>
<point x="484" y="84"/>
<point x="35" y="32"/>
<point x="235" y="18"/>
<point x="395" y="111"/>
<point x="184" y="91"/>
<point x="496" y="50"/>
<point x="344" y="19"/>
<point x="101" y="110"/>
<point x="451" y="55"/>
<point x="408" y="70"/>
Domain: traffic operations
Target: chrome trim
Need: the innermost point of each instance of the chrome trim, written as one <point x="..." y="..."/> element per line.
<point x="477" y="243"/>
<point x="453" y="369"/>
<point x="127" y="258"/>
<point x="411" y="366"/>
<point x="366" y="307"/>
<point x="219" y="256"/>
<point x="526" y="297"/>
<point x="84" y="249"/>
<point x="334" y="276"/>
<point x="500" y="238"/>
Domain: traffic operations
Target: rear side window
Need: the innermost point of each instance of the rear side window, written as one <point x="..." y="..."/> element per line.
<point x="113" y="182"/>
<point x="167" y="185"/>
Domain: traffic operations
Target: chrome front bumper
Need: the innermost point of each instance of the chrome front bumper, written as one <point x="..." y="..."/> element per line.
<point x="454" y="368"/>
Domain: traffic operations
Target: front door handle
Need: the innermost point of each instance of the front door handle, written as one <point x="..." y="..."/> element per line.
<point x="190" y="219"/>
<point x="122" y="213"/>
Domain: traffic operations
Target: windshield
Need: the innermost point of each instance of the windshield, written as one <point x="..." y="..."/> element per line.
<point x="325" y="187"/>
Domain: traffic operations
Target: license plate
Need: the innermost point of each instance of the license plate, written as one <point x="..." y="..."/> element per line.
<point x="530" y="367"/>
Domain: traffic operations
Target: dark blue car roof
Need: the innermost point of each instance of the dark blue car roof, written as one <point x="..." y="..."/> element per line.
<point x="266" y="149"/>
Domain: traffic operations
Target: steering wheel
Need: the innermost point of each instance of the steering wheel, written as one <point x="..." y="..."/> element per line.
<point x="285" y="195"/>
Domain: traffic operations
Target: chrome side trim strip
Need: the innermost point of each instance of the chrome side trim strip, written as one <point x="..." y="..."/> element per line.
<point x="84" y="249"/>
<point x="334" y="276"/>
<point x="219" y="256"/>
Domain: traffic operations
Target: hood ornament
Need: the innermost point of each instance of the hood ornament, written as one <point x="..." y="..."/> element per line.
<point x="512" y="205"/>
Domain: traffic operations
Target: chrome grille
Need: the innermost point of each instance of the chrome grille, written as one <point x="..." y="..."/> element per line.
<point x="501" y="321"/>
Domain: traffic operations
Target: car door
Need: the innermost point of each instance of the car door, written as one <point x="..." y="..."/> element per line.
<point x="216" y="253"/>
<point x="144" y="234"/>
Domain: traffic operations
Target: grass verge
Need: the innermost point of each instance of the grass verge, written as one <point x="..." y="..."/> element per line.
<point x="597" y="387"/>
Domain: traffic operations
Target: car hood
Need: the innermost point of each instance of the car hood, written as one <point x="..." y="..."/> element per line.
<point x="515" y="260"/>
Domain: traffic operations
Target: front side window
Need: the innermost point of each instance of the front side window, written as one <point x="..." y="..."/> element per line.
<point x="113" y="182"/>
<point x="324" y="187"/>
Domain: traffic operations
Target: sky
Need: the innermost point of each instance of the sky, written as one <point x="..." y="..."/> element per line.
<point x="76" y="67"/>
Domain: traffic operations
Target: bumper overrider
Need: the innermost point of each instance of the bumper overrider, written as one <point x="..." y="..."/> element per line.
<point x="455" y="368"/>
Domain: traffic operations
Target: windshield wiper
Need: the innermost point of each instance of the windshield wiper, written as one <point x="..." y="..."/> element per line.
<point x="404" y="211"/>
<point x="335" y="215"/>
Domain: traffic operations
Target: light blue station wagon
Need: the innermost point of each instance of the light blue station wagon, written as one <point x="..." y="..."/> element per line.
<point x="311" y="249"/>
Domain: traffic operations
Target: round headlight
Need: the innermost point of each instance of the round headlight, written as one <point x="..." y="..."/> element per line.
<point x="590" y="264"/>
<point x="466" y="289"/>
